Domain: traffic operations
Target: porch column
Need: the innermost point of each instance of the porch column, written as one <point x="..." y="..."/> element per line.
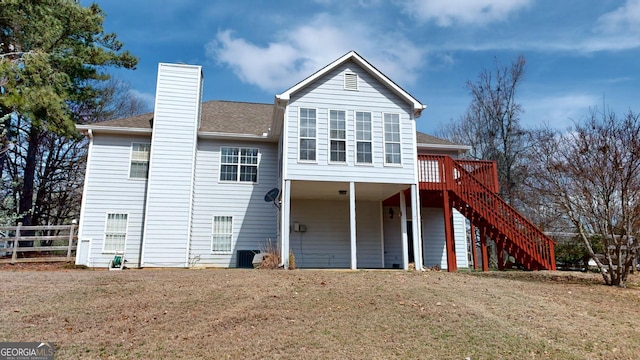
<point x="403" y="229"/>
<point x="285" y="222"/>
<point x="417" y="228"/>
<point x="352" y="223"/>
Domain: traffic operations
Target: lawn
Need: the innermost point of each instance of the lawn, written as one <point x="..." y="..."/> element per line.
<point x="253" y="314"/>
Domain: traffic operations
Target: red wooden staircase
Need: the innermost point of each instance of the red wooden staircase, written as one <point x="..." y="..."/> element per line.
<point x="471" y="188"/>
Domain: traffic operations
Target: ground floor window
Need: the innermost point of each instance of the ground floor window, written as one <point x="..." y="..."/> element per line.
<point x="222" y="234"/>
<point x="115" y="232"/>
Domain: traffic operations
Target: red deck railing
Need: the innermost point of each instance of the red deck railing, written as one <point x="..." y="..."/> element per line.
<point x="473" y="188"/>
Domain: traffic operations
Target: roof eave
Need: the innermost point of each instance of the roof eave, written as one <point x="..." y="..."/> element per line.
<point x="462" y="148"/>
<point x="114" y="130"/>
<point x="231" y="136"/>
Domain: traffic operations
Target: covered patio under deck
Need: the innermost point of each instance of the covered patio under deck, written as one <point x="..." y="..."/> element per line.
<point x="342" y="224"/>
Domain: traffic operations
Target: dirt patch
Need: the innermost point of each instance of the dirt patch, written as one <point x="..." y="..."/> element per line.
<point x="254" y="314"/>
<point x="43" y="266"/>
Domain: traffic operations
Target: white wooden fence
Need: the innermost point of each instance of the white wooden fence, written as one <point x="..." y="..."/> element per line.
<point x="63" y="239"/>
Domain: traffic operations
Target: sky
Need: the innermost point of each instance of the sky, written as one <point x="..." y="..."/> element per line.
<point x="581" y="54"/>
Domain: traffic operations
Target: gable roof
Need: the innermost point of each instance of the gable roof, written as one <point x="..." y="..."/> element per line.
<point x="355" y="57"/>
<point x="217" y="117"/>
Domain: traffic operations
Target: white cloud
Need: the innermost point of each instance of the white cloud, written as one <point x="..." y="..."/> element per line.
<point x="300" y="51"/>
<point x="617" y="30"/>
<point x="149" y="99"/>
<point x="559" y="110"/>
<point x="464" y="12"/>
<point x="625" y="19"/>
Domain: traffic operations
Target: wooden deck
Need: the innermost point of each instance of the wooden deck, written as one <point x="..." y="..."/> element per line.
<point x="471" y="187"/>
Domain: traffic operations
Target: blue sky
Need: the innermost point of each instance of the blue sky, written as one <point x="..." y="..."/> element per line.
<point x="577" y="51"/>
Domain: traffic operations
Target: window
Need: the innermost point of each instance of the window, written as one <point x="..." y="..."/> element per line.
<point x="350" y="81"/>
<point x="222" y="234"/>
<point x="307" y="134"/>
<point x="392" y="139"/>
<point x="363" y="138"/>
<point x="139" y="161"/>
<point x="239" y="164"/>
<point x="115" y="232"/>
<point x="338" y="136"/>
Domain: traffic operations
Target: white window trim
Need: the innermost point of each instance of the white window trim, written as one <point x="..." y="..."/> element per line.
<point x="131" y="160"/>
<point x="237" y="181"/>
<point x="331" y="139"/>
<point x="232" y="241"/>
<point x="104" y="233"/>
<point x="355" y="138"/>
<point x="316" y="137"/>
<point x="384" y="140"/>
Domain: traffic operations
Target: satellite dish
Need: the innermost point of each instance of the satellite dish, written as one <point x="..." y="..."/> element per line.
<point x="272" y="196"/>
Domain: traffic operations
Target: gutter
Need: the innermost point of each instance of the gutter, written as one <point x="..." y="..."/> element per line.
<point x="113" y="129"/>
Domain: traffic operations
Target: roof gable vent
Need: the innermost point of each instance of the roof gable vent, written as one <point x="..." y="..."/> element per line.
<point x="350" y="81"/>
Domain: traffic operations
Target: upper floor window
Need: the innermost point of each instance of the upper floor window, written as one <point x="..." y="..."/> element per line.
<point x="338" y="135"/>
<point x="363" y="138"/>
<point x="307" y="134"/>
<point x="139" y="168"/>
<point x="239" y="164"/>
<point x="392" y="153"/>
<point x="115" y="233"/>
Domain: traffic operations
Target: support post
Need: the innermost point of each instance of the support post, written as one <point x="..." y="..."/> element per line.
<point x="72" y="230"/>
<point x="448" y="234"/>
<point x="483" y="246"/>
<point x="474" y="254"/>
<point x="500" y="254"/>
<point x="352" y="225"/>
<point x="417" y="228"/>
<point x="403" y="230"/>
<point x="14" y="255"/>
<point x="285" y="223"/>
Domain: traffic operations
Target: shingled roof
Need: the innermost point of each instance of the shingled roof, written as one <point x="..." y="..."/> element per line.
<point x="232" y="117"/>
<point x="217" y="116"/>
<point x="423" y="138"/>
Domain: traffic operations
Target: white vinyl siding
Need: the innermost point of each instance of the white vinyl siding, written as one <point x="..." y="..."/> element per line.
<point x="115" y="233"/>
<point x="434" y="243"/>
<point x="254" y="220"/>
<point x="326" y="241"/>
<point x="139" y="168"/>
<point x="167" y="221"/>
<point x="392" y="144"/>
<point x="110" y="190"/>
<point x="222" y="234"/>
<point x="364" y="146"/>
<point x="338" y="136"/>
<point x="239" y="164"/>
<point x="372" y="97"/>
<point x="307" y="134"/>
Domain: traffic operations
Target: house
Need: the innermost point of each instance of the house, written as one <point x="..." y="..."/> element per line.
<point x="353" y="184"/>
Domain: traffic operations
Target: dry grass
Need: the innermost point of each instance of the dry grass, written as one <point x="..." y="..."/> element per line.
<point x="252" y="314"/>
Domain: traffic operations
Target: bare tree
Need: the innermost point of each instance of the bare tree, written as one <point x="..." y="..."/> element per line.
<point x="54" y="189"/>
<point x="491" y="124"/>
<point x="592" y="173"/>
